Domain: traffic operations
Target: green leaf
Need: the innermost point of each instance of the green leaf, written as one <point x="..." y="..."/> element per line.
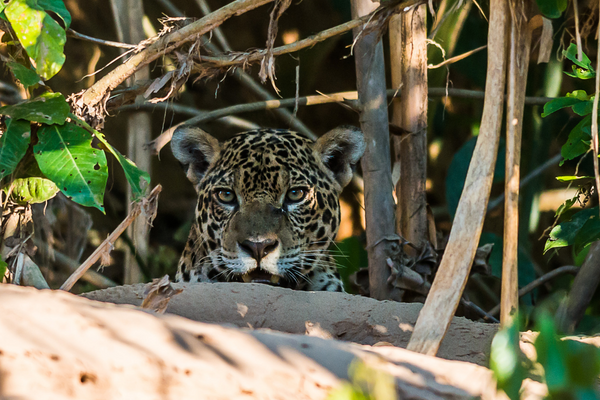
<point x="49" y="108"/>
<point x="568" y="178"/>
<point x="589" y="233"/>
<point x="558" y="104"/>
<point x="552" y="8"/>
<point x="552" y="354"/>
<point x="564" y="234"/>
<point x="579" y="139"/>
<point x="505" y="362"/>
<point x="65" y="155"/>
<point x="3" y="264"/>
<point x="584" y="108"/>
<point x="24" y="75"/>
<point x="138" y="179"/>
<point x="57" y="7"/>
<point x="581" y="73"/>
<point x="13" y="145"/>
<point x="566" y="206"/>
<point x="41" y="36"/>
<point x="32" y="190"/>
<point x="571" y="54"/>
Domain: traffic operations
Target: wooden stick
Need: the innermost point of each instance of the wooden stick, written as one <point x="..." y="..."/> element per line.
<point x="412" y="202"/>
<point x="379" y="203"/>
<point x="520" y="42"/>
<point x="106" y="246"/>
<point x="453" y="272"/>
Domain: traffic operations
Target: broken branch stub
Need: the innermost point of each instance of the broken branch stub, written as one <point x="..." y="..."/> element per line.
<point x="454" y="269"/>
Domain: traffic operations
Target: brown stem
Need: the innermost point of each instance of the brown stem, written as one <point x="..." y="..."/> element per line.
<point x="518" y="59"/>
<point x="412" y="202"/>
<point x="379" y="203"/>
<point x="453" y="271"/>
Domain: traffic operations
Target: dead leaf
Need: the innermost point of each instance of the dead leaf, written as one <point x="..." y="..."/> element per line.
<point x="158" y="294"/>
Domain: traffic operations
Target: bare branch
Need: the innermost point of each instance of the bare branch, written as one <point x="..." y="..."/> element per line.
<point x="77" y="35"/>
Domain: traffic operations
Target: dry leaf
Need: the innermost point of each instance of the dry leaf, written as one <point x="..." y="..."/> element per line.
<point x="158" y="294"/>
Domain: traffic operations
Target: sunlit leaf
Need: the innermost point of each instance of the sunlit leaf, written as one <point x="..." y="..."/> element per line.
<point x="31" y="190"/>
<point x="568" y="178"/>
<point x="41" y="36"/>
<point x="24" y="75"/>
<point x="13" y="145"/>
<point x="137" y="179"/>
<point x="65" y="155"/>
<point x="49" y="108"/>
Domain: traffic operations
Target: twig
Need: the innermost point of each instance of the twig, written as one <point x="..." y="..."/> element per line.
<point x="595" y="124"/>
<point x="568" y="269"/>
<point x="459" y="57"/>
<point x="529" y="178"/>
<point x="77" y="35"/>
<point x="341" y="97"/>
<point x="106" y="246"/>
<point x="240" y="75"/>
<point x="95" y="94"/>
<point x="486" y="316"/>
<point x="256" y="56"/>
<point x="577" y="32"/>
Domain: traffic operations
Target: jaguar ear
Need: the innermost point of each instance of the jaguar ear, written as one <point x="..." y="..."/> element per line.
<point x="339" y="150"/>
<point x="196" y="150"/>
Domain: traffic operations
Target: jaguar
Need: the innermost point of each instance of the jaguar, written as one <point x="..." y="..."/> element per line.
<point x="268" y="205"/>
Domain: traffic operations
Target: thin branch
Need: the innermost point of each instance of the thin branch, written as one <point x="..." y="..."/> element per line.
<point x="106" y="246"/>
<point x="368" y="21"/>
<point x="77" y="35"/>
<point x="95" y="94"/>
<point x="459" y="57"/>
<point x="346" y="98"/>
<point x="239" y="74"/>
<point x="568" y="269"/>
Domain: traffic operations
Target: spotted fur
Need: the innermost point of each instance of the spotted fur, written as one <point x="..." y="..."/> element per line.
<point x="268" y="206"/>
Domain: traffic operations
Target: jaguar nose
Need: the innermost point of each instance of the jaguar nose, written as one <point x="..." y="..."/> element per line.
<point x="258" y="250"/>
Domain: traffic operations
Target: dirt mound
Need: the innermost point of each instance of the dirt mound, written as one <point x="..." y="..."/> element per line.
<point x="328" y="315"/>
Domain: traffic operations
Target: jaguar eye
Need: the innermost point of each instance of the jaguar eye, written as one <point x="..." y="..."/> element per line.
<point x="295" y="195"/>
<point x="225" y="196"/>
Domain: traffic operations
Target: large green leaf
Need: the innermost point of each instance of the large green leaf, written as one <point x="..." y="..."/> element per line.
<point x="65" y="155"/>
<point x="552" y="8"/>
<point x="24" y="75"/>
<point x="138" y="179"/>
<point x="564" y="234"/>
<point x="13" y="145"/>
<point x="31" y="190"/>
<point x="41" y="36"/>
<point x="589" y="233"/>
<point x="49" y="108"/>
<point x="559" y="104"/>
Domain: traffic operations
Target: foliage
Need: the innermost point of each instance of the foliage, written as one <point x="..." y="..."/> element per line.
<point x="366" y="384"/>
<point x="569" y="367"/>
<point x="580" y="229"/>
<point x="65" y="149"/>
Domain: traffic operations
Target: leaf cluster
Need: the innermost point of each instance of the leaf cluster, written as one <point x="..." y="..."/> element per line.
<point x="44" y="148"/>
